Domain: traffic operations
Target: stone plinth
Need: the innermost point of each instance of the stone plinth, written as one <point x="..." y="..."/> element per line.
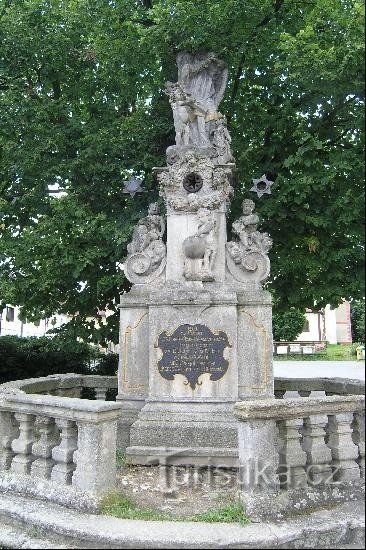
<point x="201" y="353"/>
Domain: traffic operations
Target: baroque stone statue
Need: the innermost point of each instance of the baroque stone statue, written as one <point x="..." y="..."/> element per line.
<point x="147" y="251"/>
<point x="246" y="256"/>
<point x="200" y="249"/>
<point x="195" y="99"/>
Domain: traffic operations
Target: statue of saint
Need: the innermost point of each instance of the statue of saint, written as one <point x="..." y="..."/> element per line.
<point x="204" y="76"/>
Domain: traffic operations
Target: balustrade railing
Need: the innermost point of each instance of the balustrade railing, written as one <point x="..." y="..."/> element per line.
<point x="317" y="441"/>
<point x="67" y="385"/>
<point x="68" y="440"/>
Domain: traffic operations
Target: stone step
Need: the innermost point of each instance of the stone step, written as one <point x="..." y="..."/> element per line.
<point x="340" y="527"/>
<point x="12" y="536"/>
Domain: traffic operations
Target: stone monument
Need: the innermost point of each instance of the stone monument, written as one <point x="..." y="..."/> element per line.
<point x="195" y="329"/>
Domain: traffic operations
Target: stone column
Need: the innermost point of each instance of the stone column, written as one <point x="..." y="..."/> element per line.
<point x="319" y="456"/>
<point x="358" y="437"/>
<point x="258" y="457"/>
<point x="22" y="446"/>
<point x="96" y="456"/>
<point x="8" y="432"/>
<point x="63" y="453"/>
<point x="292" y="456"/>
<point x="42" y="449"/>
<point x="344" y="451"/>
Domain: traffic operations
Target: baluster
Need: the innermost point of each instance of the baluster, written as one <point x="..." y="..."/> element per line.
<point x="64" y="452"/>
<point x="344" y="451"/>
<point x="319" y="456"/>
<point x="358" y="437"/>
<point x="42" y="449"/>
<point x="292" y="457"/>
<point x="100" y="393"/>
<point x="9" y="431"/>
<point x="22" y="446"/>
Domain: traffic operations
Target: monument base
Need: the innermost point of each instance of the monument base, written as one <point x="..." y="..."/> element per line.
<point x="185" y="433"/>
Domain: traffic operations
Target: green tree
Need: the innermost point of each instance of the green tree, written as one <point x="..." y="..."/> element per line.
<point x="288" y="325"/>
<point x="82" y="107"/>
<point x="358" y="320"/>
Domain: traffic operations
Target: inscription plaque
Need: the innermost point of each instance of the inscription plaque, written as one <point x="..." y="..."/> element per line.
<point x="193" y="350"/>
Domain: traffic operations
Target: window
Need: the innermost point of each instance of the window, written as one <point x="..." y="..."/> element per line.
<point x="10" y="314"/>
<point x="306" y="327"/>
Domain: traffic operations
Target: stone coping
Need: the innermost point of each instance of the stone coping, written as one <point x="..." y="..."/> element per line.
<point x="59" y="381"/>
<point x="69" y="408"/>
<point x="343" y="386"/>
<point x="290" y="409"/>
<point x="332" y="385"/>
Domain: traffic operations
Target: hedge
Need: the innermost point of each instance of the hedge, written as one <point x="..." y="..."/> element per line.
<point x="33" y="357"/>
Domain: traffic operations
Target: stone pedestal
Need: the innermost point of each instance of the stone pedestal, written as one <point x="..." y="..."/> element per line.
<point x="186" y="413"/>
<point x="195" y="330"/>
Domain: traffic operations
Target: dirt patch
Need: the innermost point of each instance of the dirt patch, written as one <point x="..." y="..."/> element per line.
<point x="177" y="490"/>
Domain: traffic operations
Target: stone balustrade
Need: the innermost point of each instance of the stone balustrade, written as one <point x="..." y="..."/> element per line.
<point x="307" y="446"/>
<point x="328" y="386"/>
<point x="59" y="441"/>
<point x="66" y="385"/>
<point x="76" y="385"/>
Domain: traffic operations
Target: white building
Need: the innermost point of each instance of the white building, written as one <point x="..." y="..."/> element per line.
<point x="330" y="325"/>
<point x="11" y="325"/>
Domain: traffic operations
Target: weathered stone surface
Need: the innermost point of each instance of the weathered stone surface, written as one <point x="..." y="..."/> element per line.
<point x="147" y="252"/>
<point x="282" y="409"/>
<point x="336" y="528"/>
<point x="246" y="257"/>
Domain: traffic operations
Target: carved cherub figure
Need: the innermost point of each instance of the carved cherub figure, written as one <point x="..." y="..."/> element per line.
<point x="140" y="239"/>
<point x="149" y="229"/>
<point x="246" y="226"/>
<point x="206" y="229"/>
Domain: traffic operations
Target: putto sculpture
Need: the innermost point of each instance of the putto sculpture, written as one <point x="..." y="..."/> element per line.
<point x="200" y="249"/>
<point x="147" y="251"/>
<point x="247" y="258"/>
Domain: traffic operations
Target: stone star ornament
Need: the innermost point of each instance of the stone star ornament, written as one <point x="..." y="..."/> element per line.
<point x="133" y="186"/>
<point x="261" y="186"/>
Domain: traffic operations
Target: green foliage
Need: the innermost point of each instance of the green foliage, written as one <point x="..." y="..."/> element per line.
<point x="333" y="352"/>
<point x="120" y="458"/>
<point x="230" y="513"/>
<point x="82" y="107"/>
<point x="33" y="357"/>
<point x="120" y="506"/>
<point x="288" y="325"/>
<point x="358" y="320"/>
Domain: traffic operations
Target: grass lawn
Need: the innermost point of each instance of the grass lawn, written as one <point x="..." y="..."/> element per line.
<point x="333" y="352"/>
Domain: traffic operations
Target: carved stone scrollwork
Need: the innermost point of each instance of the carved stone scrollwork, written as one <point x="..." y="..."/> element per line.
<point x="146" y="252"/>
<point x="193" y="181"/>
<point x="246" y="257"/>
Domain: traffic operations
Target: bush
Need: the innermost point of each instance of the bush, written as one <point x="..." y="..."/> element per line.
<point x="34" y="357"/>
<point x="288" y="325"/>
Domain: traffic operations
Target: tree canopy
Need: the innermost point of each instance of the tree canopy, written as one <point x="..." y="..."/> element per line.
<point x="82" y="107"/>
